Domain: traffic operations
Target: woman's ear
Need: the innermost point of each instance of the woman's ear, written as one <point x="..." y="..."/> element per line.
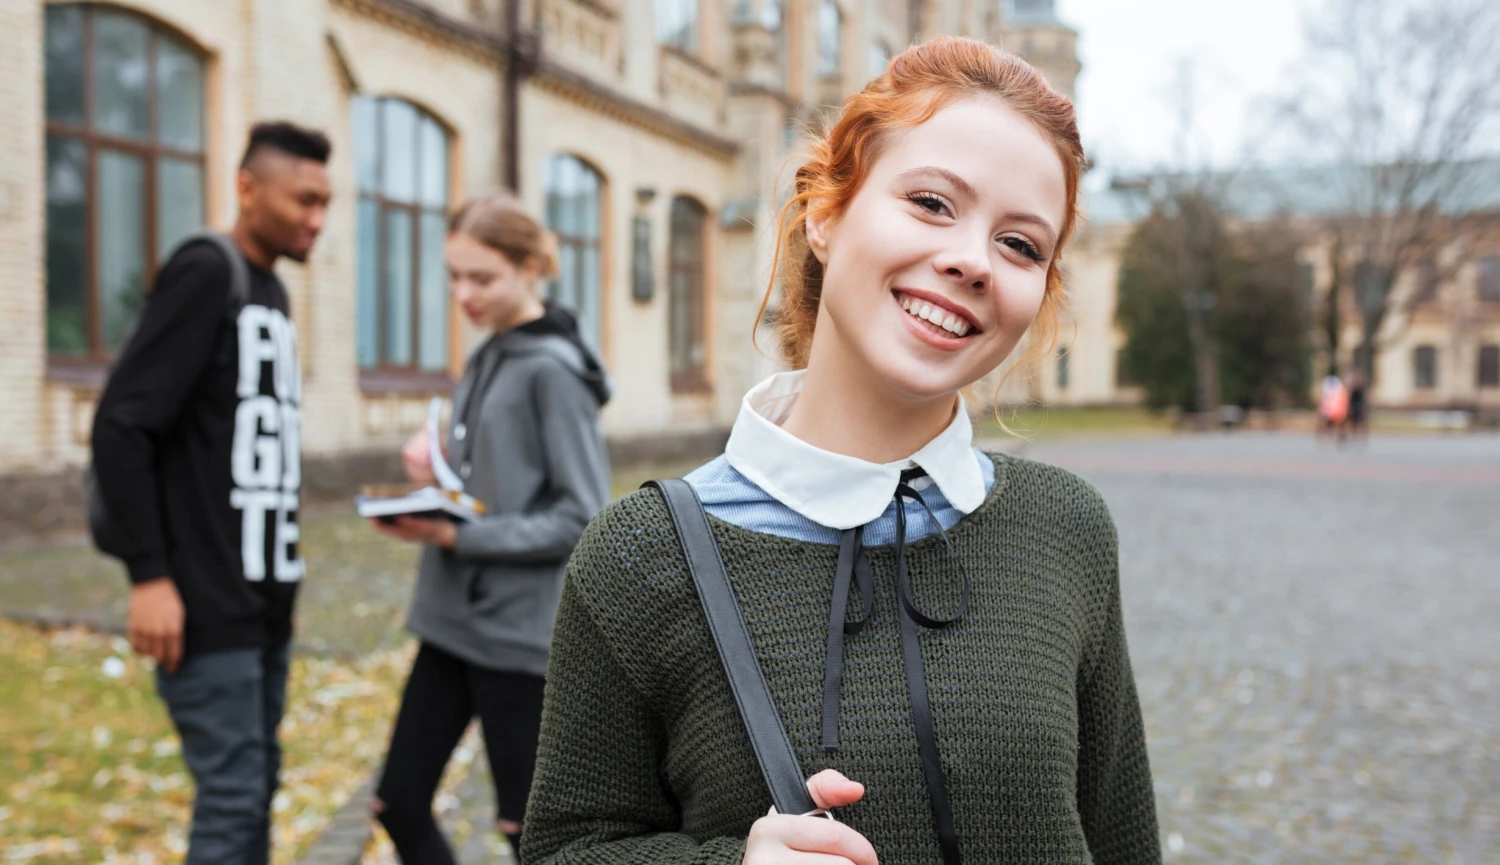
<point x="533" y="268"/>
<point x="817" y="233"/>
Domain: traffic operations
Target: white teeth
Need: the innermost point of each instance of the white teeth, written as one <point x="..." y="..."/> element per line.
<point x="954" y="324"/>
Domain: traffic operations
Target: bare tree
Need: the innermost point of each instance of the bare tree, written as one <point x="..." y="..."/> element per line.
<point x="1400" y="95"/>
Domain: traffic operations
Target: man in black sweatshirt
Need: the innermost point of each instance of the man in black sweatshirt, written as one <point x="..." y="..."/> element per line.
<point x="198" y="459"/>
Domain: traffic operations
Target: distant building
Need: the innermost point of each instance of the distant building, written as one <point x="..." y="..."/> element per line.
<point x="650" y="134"/>
<point x="1443" y="340"/>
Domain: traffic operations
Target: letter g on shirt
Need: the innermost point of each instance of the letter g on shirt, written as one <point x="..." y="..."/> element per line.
<point x="265" y="461"/>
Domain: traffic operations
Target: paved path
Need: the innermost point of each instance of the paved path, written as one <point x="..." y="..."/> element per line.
<point x="1316" y="634"/>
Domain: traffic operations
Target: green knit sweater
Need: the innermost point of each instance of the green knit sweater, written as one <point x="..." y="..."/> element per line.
<point x="644" y="759"/>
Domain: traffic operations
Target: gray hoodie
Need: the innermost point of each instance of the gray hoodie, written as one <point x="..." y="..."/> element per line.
<point x="537" y="461"/>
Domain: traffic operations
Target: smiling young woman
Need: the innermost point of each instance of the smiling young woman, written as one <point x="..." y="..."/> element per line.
<point x="977" y="702"/>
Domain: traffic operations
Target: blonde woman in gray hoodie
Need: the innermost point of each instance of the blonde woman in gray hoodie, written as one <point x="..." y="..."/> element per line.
<point x="525" y="440"/>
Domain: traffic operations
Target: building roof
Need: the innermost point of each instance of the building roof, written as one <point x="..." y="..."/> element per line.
<point x="1265" y="193"/>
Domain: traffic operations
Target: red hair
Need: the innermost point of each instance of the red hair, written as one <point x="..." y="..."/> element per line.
<point x="921" y="81"/>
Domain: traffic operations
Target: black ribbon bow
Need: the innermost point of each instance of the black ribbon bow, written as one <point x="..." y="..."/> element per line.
<point x="854" y="570"/>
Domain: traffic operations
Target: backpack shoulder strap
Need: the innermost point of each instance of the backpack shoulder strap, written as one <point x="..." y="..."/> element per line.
<point x="773" y="750"/>
<point x="239" y="271"/>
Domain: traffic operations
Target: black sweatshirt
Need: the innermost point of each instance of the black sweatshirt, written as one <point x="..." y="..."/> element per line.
<point x="197" y="451"/>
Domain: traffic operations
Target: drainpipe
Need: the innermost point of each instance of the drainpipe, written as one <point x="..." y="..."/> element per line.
<point x="522" y="55"/>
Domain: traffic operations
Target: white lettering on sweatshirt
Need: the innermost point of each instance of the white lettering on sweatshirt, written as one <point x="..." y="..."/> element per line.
<point x="266" y="460"/>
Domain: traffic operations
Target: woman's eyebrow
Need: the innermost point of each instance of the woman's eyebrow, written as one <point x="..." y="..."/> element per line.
<point x="932" y="172"/>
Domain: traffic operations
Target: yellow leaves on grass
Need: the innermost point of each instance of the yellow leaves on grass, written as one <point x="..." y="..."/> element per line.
<point x="90" y="768"/>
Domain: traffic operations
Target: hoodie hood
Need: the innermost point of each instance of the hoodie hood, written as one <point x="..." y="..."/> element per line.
<point x="557" y="333"/>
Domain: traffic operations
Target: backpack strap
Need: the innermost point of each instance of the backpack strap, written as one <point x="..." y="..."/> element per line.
<point x="239" y="271"/>
<point x="773" y="750"/>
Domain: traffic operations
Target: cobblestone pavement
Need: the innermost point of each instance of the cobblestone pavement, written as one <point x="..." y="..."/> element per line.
<point x="1314" y="632"/>
<point x="1315" y="637"/>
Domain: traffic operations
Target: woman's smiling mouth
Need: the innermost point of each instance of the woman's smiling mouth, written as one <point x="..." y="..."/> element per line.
<point x="936" y="318"/>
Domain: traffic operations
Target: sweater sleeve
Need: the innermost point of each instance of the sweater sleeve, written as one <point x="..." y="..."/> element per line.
<point x="1115" y="796"/>
<point x="599" y="795"/>
<point x="148" y="387"/>
<point x="577" y="466"/>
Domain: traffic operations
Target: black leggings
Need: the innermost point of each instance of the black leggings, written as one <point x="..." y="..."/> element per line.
<point x="442" y="694"/>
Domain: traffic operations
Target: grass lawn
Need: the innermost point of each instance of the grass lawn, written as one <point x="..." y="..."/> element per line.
<point x="89" y="769"/>
<point x="89" y="765"/>
<point x="1051" y="424"/>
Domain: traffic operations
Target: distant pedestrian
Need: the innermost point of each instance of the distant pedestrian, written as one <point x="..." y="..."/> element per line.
<point x="1359" y="407"/>
<point x="198" y="461"/>
<point x="1333" y="407"/>
<point x="525" y="440"/>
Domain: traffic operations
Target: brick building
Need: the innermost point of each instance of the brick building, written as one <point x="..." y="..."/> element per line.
<point x="649" y="133"/>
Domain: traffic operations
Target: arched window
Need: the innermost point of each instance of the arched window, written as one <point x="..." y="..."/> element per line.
<point x="124" y="169"/>
<point x="686" y="287"/>
<point x="401" y="159"/>
<point x="575" y="213"/>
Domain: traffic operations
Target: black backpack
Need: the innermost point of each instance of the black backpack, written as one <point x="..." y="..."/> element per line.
<point x="108" y="536"/>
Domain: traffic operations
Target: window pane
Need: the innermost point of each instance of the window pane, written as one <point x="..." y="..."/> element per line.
<point x="398" y="142"/>
<point x="179" y="202"/>
<point x="367" y="143"/>
<point x="179" y="82"/>
<point x="120" y="229"/>
<point x="588" y="296"/>
<point x="398" y="288"/>
<point x="433" y="295"/>
<point x="367" y="276"/>
<point x="1489" y="280"/>
<point x="65" y="64"/>
<point x="1489" y="366"/>
<point x="564" y="289"/>
<point x="120" y="83"/>
<point x="434" y="165"/>
<point x="680" y="331"/>
<point x="67" y="247"/>
<point x="830" y="25"/>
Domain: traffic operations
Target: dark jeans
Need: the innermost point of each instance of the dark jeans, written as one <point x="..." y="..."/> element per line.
<point x="226" y="706"/>
<point x="443" y="693"/>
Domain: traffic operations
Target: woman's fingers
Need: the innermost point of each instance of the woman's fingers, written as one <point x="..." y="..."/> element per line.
<point x="815" y="835"/>
<point x="830" y="789"/>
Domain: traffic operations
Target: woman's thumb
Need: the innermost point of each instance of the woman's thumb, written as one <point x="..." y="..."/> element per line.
<point x="830" y="789"/>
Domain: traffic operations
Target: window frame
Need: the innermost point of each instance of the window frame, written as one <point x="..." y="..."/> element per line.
<point x="690" y="377"/>
<point x="580" y="244"/>
<point x="88" y="366"/>
<point x="383" y="375"/>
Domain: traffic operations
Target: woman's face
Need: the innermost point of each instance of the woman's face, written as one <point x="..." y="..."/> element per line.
<point x="492" y="291"/>
<point x="940" y="263"/>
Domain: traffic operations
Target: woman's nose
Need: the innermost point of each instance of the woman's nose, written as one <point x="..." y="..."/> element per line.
<point x="967" y="264"/>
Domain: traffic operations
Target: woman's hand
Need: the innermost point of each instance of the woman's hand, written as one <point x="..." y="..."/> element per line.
<point x="783" y="839"/>
<point x="419" y="530"/>
<point x="416" y="458"/>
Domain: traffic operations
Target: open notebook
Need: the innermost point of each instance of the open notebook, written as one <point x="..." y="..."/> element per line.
<point x="446" y="500"/>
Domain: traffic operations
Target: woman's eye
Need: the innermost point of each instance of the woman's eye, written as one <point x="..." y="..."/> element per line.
<point x="1024" y="247"/>
<point x="929" y="203"/>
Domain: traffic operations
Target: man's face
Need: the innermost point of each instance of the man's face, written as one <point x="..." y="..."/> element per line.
<point x="285" y="199"/>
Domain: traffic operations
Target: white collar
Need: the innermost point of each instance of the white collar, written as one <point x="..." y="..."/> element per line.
<point x="831" y="489"/>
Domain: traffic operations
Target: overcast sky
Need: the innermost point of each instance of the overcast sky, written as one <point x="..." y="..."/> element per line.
<point x="1130" y="53"/>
